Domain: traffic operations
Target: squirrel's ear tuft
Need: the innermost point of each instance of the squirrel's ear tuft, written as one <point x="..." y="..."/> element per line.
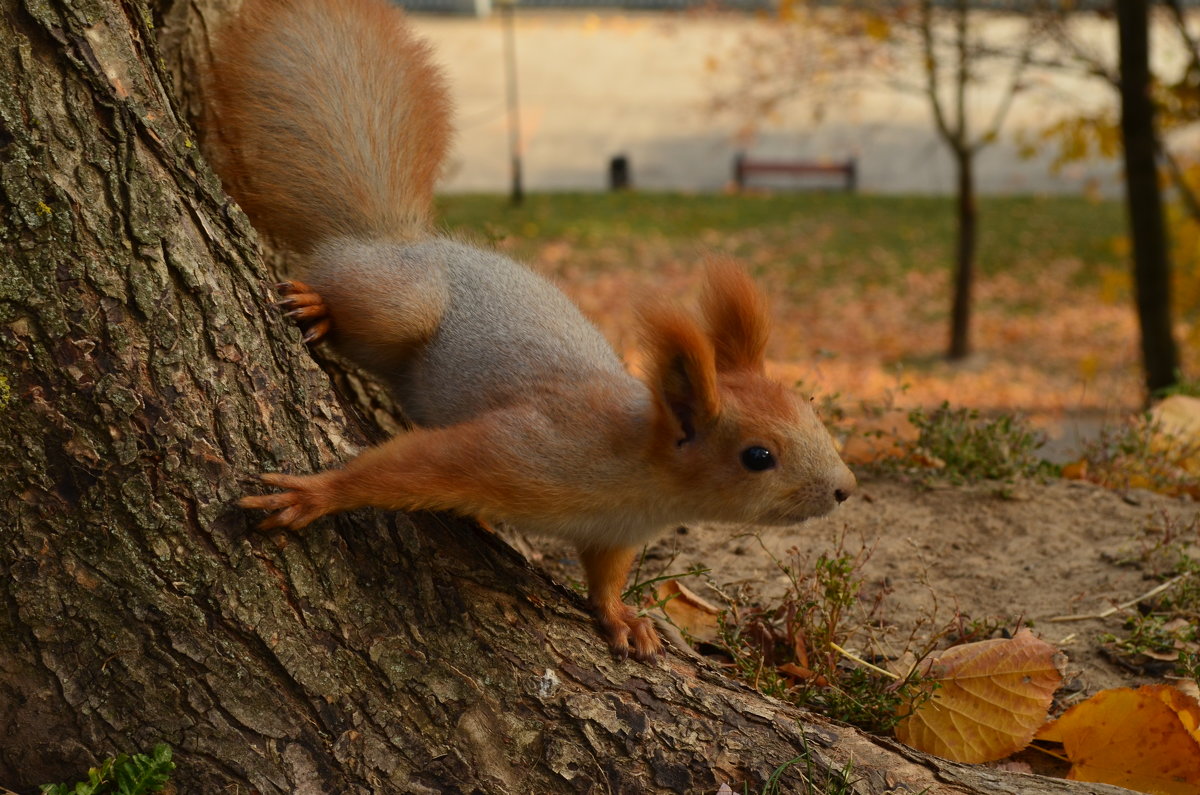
<point x="680" y="368"/>
<point x="737" y="317"/>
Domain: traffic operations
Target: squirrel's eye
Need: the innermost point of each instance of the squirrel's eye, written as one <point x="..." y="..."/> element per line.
<point x="757" y="459"/>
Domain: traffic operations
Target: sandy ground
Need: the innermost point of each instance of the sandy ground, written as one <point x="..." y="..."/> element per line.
<point x="1042" y="551"/>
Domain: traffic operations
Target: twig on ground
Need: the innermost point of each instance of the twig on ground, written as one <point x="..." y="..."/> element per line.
<point x="862" y="662"/>
<point x="1126" y="605"/>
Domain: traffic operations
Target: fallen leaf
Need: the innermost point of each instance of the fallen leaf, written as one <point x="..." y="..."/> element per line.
<point x="1146" y="739"/>
<point x="1177" y="421"/>
<point x="1190" y="688"/>
<point x="800" y="672"/>
<point x="1076" y="470"/>
<point x="1179" y="415"/>
<point x="992" y="697"/>
<point x="689" y="611"/>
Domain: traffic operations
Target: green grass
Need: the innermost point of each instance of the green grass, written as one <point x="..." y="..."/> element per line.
<point x="887" y="235"/>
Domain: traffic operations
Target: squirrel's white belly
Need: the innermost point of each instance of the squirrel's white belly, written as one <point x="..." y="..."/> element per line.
<point x="631" y="526"/>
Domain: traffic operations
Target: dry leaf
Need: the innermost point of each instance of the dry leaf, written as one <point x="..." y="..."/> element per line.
<point x="993" y="696"/>
<point x="1177" y="419"/>
<point x="1190" y="688"/>
<point x="799" y="672"/>
<point x="1146" y="739"/>
<point x="688" y="611"/>
<point x="1178" y="415"/>
<point x="1076" y="470"/>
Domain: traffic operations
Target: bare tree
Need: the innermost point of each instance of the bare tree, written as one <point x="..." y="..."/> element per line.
<point x="942" y="42"/>
<point x="1143" y="151"/>
<point x="947" y="87"/>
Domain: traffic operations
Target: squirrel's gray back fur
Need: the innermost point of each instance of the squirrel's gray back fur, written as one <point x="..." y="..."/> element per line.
<point x="504" y="331"/>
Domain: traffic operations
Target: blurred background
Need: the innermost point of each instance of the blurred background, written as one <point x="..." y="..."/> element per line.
<point x="934" y="193"/>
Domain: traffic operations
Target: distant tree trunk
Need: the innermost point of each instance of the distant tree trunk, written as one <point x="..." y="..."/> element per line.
<point x="143" y="378"/>
<point x="953" y="127"/>
<point x="964" y="266"/>
<point x="1143" y="198"/>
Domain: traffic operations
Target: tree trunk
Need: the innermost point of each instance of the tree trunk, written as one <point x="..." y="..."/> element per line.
<point x="1151" y="264"/>
<point x="144" y="378"/>
<point x="964" y="260"/>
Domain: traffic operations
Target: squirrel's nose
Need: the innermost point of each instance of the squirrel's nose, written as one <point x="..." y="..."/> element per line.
<point x="845" y="488"/>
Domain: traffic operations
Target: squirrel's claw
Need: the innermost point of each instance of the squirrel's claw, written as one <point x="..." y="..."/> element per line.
<point x="293" y="286"/>
<point x="300" y="504"/>
<point x="629" y="635"/>
<point x="317" y="330"/>
<point x="308" y="312"/>
<point x="305" y="306"/>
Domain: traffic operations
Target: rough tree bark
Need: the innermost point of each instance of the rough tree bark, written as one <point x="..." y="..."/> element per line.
<point x="1143" y="198"/>
<point x="144" y="377"/>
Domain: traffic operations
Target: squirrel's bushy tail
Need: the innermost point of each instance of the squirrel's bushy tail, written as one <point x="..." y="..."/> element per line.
<point x="329" y="119"/>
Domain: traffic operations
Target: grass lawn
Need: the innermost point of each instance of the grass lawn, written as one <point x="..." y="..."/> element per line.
<point x="851" y="230"/>
<point x="860" y="286"/>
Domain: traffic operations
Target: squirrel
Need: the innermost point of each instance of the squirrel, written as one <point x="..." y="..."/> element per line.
<point x="331" y="124"/>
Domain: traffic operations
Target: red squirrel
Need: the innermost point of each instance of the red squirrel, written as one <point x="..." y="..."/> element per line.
<point x="331" y="124"/>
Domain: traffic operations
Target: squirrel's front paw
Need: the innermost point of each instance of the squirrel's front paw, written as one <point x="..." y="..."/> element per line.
<point x="628" y="634"/>
<point x="306" y="307"/>
<point x="303" y="501"/>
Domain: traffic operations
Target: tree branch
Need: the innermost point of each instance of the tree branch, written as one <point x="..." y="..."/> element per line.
<point x="1006" y="101"/>
<point x="931" y="70"/>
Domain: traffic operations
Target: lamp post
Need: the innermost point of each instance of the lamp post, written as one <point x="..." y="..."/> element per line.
<point x="514" y="113"/>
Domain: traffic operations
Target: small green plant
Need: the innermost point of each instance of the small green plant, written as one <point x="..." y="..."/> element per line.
<point x="643" y="590"/>
<point x="815" y="781"/>
<point x="637" y="592"/>
<point x="1141" y="455"/>
<point x="1182" y="386"/>
<point x="791" y="648"/>
<point x="1152" y="633"/>
<point x="966" y="447"/>
<point x="124" y="774"/>
<point x="1166" y="628"/>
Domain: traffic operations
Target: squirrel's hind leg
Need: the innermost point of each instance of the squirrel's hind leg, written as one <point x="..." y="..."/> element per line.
<point x="305" y="305"/>
<point x="383" y="301"/>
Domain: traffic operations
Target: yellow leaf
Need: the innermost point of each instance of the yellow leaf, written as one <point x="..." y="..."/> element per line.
<point x="1088" y="366"/>
<point x="878" y="28"/>
<point x="1179" y="416"/>
<point x="1176" y="421"/>
<point x="993" y="695"/>
<point x="1145" y="739"/>
<point x="1076" y="470"/>
<point x="688" y="611"/>
<point x="1114" y="285"/>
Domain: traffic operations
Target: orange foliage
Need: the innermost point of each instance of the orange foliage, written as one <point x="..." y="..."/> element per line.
<point x="992" y="697"/>
<point x="882" y="344"/>
<point x="688" y="611"/>
<point x="1146" y="739"/>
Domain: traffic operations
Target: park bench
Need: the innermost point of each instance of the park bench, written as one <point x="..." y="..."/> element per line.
<point x="744" y="168"/>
